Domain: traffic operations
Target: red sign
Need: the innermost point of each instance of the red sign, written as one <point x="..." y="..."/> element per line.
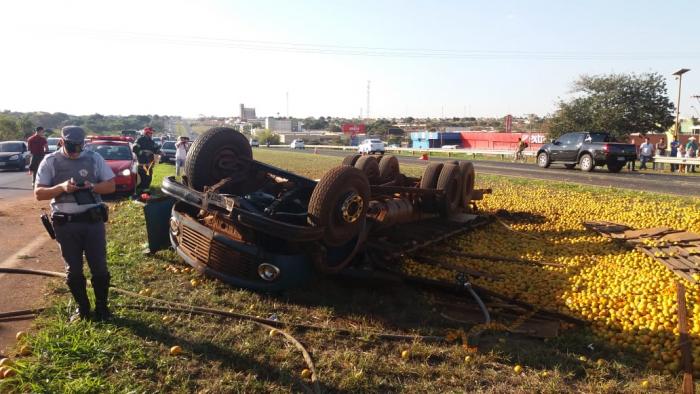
<point x="353" y="128"/>
<point x="509" y="123"/>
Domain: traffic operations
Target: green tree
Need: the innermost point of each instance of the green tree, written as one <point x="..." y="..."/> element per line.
<point x="267" y="135"/>
<point x="616" y="103"/>
<point x="9" y="130"/>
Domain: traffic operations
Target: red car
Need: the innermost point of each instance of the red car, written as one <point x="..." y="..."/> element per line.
<point x="117" y="153"/>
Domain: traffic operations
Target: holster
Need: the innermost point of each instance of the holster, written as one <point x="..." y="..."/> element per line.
<point x="46" y="221"/>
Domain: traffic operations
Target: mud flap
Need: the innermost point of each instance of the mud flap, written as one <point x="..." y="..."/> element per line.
<point x="157" y="212"/>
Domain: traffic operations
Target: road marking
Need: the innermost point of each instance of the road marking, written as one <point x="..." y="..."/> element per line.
<point x="16" y="259"/>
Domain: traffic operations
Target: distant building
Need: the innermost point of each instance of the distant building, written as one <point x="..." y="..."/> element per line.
<point x="247" y="113"/>
<point x="282" y="125"/>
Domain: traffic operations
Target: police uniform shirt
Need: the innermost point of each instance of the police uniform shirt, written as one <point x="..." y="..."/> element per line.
<point x="57" y="168"/>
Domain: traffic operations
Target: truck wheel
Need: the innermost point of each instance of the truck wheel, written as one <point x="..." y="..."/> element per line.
<point x="570" y="166"/>
<point x="219" y="153"/>
<point x="388" y="168"/>
<point x="339" y="204"/>
<point x="368" y="165"/>
<point x="350" y="160"/>
<point x="430" y="176"/>
<point x="468" y="178"/>
<point x="450" y="181"/>
<point x="543" y="160"/>
<point x="586" y="162"/>
<point x="615" y="168"/>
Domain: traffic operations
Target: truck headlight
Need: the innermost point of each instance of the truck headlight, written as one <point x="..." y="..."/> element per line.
<point x="174" y="227"/>
<point x="268" y="272"/>
<point x="14" y="157"/>
<point x="125" y="172"/>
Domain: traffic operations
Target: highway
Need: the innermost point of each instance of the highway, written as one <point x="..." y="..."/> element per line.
<point x="14" y="184"/>
<point x="665" y="183"/>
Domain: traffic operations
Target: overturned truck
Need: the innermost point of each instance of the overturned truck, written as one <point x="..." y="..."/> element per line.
<point x="259" y="227"/>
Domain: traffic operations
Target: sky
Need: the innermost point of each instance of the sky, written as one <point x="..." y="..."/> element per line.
<point x="422" y="58"/>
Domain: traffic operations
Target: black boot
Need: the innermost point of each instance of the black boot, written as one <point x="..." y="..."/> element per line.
<point x="101" y="288"/>
<point x="77" y="288"/>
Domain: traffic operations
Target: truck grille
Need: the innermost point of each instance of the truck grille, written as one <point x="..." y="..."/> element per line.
<point x="216" y="255"/>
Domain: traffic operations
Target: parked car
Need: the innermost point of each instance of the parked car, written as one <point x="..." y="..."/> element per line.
<point x="167" y="152"/>
<point x="53" y="144"/>
<point x="588" y="150"/>
<point x="14" y="155"/>
<point x="371" y="145"/>
<point x="254" y="143"/>
<point x="297" y="144"/>
<point x="119" y="157"/>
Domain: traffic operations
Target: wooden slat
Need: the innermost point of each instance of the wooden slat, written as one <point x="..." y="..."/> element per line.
<point x="682" y="237"/>
<point x="685" y="344"/>
<point x="647" y="232"/>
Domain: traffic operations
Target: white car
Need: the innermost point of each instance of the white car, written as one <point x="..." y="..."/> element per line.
<point x="53" y="144"/>
<point x="371" y="145"/>
<point x="254" y="143"/>
<point x="297" y="144"/>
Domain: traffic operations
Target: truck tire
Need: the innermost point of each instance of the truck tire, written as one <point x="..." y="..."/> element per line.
<point x="219" y="153"/>
<point x="388" y="168"/>
<point x="339" y="204"/>
<point x="450" y="181"/>
<point x="430" y="176"/>
<point x="543" y="160"/>
<point x="586" y="162"/>
<point x="468" y="178"/>
<point x="350" y="160"/>
<point x="368" y="165"/>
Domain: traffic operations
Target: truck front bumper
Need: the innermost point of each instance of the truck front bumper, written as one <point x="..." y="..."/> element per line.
<point x="237" y="263"/>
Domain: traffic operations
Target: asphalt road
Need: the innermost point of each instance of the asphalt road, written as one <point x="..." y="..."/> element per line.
<point x="682" y="185"/>
<point x="14" y="184"/>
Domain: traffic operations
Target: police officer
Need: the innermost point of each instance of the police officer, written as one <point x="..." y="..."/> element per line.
<point x="73" y="179"/>
<point x="145" y="149"/>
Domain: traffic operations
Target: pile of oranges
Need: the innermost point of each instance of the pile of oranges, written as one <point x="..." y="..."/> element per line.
<point x="629" y="297"/>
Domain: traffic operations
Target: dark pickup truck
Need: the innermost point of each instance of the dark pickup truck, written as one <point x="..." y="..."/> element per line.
<point x="588" y="150"/>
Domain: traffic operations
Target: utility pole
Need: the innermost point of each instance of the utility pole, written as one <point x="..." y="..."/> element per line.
<point x="679" y="74"/>
<point x="367" y="99"/>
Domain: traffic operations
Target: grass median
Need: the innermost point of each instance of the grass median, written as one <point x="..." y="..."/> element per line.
<point x="131" y="353"/>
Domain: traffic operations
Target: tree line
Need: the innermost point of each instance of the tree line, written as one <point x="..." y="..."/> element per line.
<point x="19" y="125"/>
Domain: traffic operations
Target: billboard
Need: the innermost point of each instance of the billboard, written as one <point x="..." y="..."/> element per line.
<point x="353" y="128"/>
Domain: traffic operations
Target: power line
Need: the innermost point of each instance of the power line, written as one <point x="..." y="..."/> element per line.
<point x="346" y="50"/>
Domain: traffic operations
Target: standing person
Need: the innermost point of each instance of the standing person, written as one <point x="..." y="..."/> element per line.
<point x="674" y="152"/>
<point x="73" y="179"/>
<point x="681" y="154"/>
<point x="146" y="150"/>
<point x="519" y="150"/>
<point x="660" y="151"/>
<point x="646" y="152"/>
<point x="38" y="147"/>
<point x="691" y="149"/>
<point x="181" y="146"/>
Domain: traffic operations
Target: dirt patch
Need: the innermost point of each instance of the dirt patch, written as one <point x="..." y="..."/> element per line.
<point x="20" y="217"/>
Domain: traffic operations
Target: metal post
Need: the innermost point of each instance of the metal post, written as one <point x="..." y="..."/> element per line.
<point x="679" y="73"/>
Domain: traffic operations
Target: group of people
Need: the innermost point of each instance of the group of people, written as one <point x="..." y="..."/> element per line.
<point x="647" y="151"/>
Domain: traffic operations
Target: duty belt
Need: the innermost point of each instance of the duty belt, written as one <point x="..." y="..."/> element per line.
<point x="92" y="215"/>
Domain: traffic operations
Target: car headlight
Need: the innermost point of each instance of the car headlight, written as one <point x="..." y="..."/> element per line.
<point x="125" y="172"/>
<point x="14" y="157"/>
<point x="268" y="271"/>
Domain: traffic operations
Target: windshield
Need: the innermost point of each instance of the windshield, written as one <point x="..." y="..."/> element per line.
<point x="376" y="141"/>
<point x="111" y="152"/>
<point x="53" y="141"/>
<point x="11" y="147"/>
<point x="169" y="145"/>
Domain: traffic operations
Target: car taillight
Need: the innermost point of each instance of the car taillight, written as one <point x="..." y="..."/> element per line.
<point x="606" y="148"/>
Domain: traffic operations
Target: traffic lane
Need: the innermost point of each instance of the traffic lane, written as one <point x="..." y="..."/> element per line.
<point x="639" y="180"/>
<point x="14" y="184"/>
